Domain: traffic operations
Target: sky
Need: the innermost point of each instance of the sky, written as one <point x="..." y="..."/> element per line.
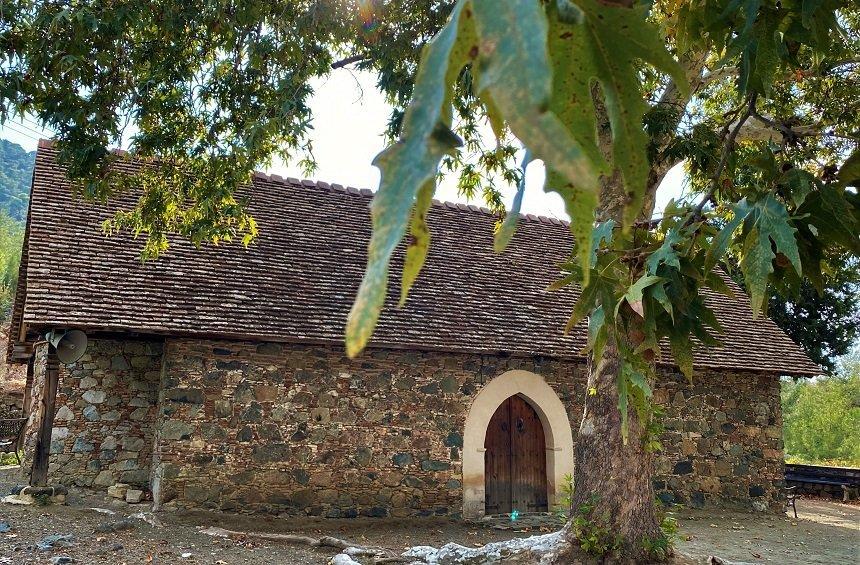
<point x="350" y="115"/>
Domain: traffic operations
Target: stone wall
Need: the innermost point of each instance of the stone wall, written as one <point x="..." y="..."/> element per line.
<point x="301" y="429"/>
<point x="298" y="429"/>
<point x="105" y="414"/>
<point x="11" y="403"/>
<point x="304" y="430"/>
<point x="723" y="440"/>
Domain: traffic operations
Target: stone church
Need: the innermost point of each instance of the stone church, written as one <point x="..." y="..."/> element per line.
<point x="216" y="378"/>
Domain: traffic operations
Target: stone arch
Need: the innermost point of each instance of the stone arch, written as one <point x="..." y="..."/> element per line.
<point x="556" y="425"/>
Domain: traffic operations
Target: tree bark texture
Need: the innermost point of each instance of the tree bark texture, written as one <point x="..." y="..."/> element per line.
<point x="613" y="487"/>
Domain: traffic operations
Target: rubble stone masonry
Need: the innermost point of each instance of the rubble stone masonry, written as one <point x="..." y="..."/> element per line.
<point x="105" y="413"/>
<point x="266" y="427"/>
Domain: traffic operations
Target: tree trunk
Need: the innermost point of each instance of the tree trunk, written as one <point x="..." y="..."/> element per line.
<point x="613" y="495"/>
<point x="613" y="490"/>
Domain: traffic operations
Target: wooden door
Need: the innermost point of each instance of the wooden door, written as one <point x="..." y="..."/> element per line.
<point x="515" y="459"/>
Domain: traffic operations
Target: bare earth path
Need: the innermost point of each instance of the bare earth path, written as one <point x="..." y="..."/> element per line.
<point x="826" y="532"/>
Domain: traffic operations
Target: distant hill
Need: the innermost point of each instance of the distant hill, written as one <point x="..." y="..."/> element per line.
<point x="16" y="170"/>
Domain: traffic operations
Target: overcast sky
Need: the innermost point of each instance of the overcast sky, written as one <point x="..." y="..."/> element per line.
<point x="350" y="115"/>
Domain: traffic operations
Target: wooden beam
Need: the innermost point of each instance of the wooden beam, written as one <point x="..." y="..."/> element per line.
<point x="39" y="473"/>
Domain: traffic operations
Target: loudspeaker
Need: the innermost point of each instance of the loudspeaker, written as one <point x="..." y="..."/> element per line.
<point x="70" y="344"/>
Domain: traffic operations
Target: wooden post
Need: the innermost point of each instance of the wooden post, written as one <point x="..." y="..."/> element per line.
<point x="39" y="473"/>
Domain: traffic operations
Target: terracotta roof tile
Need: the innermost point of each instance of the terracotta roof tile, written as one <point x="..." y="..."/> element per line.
<point x="298" y="280"/>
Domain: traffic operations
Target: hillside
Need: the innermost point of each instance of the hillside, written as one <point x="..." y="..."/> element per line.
<point x="16" y="168"/>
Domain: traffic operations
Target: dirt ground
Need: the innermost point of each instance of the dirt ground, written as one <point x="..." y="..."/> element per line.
<point x="825" y="532"/>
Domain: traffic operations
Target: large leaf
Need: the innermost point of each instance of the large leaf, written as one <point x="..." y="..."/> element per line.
<point x="757" y="265"/>
<point x="682" y="350"/>
<point x="572" y="102"/>
<point x="514" y="72"/>
<point x="774" y="222"/>
<point x="849" y="173"/>
<point x="419" y="246"/>
<point x="509" y="225"/>
<point x="740" y="211"/>
<point x="610" y="42"/>
<point x="407" y="166"/>
<point x="584" y="304"/>
<point x="665" y="253"/>
<point x="633" y="296"/>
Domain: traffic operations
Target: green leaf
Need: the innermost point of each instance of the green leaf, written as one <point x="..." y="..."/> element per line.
<point x="721" y="242"/>
<point x="614" y="64"/>
<point x="416" y="252"/>
<point x="658" y="293"/>
<point x="602" y="233"/>
<point x="639" y="380"/>
<point x="799" y="183"/>
<point x="621" y="381"/>
<point x="849" y="173"/>
<point x="584" y="304"/>
<point x="509" y="226"/>
<point x="597" y="332"/>
<point x="665" y="253"/>
<point x="773" y="221"/>
<point x="757" y="265"/>
<point x="514" y="70"/>
<point x="633" y="296"/>
<point x="717" y="283"/>
<point x="682" y="351"/>
<point x="406" y="166"/>
<point x="572" y="102"/>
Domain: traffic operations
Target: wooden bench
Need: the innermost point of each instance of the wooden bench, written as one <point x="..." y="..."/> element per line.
<point x="836" y="480"/>
<point x="11" y="431"/>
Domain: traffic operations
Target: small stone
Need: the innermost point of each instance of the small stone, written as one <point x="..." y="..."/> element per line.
<point x="321" y="415"/>
<point x="48" y="543"/>
<point x="117" y="526"/>
<point x="402" y="459"/>
<point x="94" y="396"/>
<point x="82" y="446"/>
<point x="435" y="465"/>
<point x="683" y="468"/>
<point x="91" y="413"/>
<point x="61" y="560"/>
<point x="64" y="413"/>
<point x="5" y="527"/>
<point x="104" y="479"/>
<point x="449" y="384"/>
<point x="253" y="413"/>
<point x="88" y="382"/>
<point x="175" y="430"/>
<point x="118" y="363"/>
<point x="133" y="496"/>
<point x="363" y="455"/>
<point x="130" y="443"/>
<point x="118" y="490"/>
<point x="454" y="439"/>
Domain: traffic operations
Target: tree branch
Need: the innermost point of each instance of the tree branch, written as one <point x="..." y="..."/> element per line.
<point x="727" y="148"/>
<point x="348" y="61"/>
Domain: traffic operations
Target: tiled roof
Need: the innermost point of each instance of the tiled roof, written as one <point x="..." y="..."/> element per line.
<point x="298" y="280"/>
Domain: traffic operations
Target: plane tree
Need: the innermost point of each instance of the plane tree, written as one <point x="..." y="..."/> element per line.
<point x="757" y="97"/>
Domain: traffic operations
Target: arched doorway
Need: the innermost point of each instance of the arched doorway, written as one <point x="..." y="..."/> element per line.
<point x="515" y="459"/>
<point x="558" y="435"/>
